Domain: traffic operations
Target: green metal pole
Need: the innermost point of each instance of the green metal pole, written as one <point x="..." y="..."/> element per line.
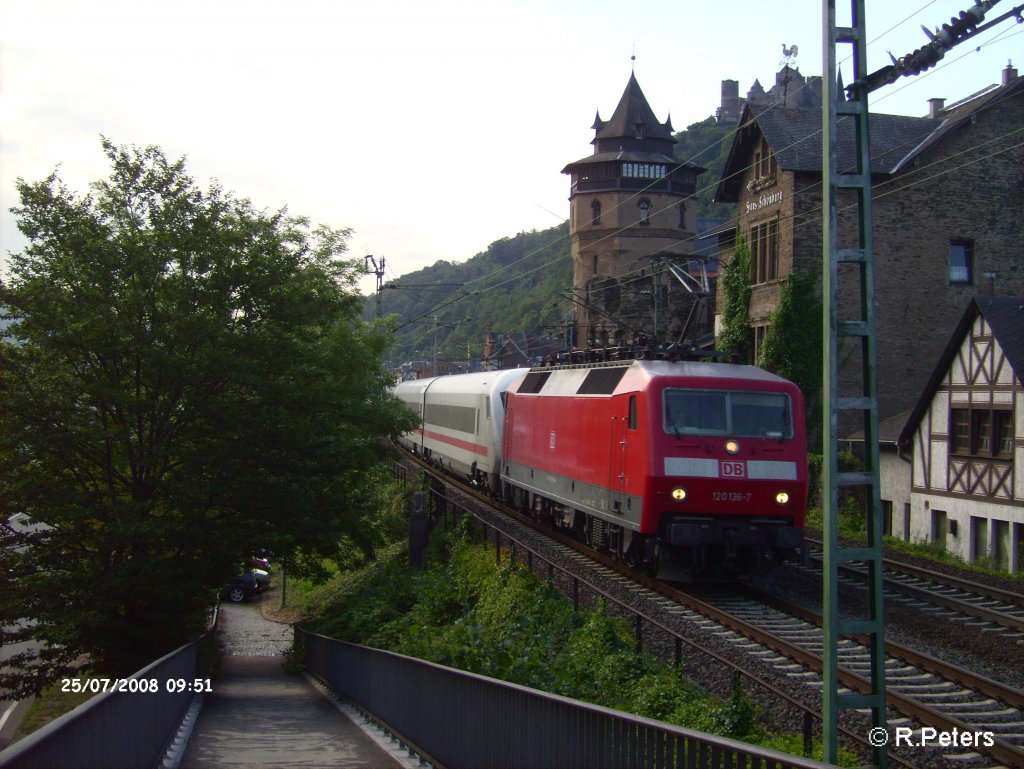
<point x="854" y="321"/>
<point x="830" y="492"/>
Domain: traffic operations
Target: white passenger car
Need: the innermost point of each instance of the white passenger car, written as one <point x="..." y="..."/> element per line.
<point x="461" y="419"/>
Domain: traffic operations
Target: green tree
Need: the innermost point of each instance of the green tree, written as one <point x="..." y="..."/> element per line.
<point x="792" y="343"/>
<point x="707" y="144"/>
<point x="736" y="336"/>
<point x="186" y="379"/>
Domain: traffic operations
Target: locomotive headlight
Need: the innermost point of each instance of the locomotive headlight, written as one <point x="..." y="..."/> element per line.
<point x="732" y="447"/>
<point x="678" y="493"/>
<point x="782" y="497"/>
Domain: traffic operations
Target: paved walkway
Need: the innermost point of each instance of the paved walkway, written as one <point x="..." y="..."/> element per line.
<point x="260" y="716"/>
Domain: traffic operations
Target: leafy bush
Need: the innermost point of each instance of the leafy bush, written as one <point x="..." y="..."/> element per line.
<point x="465" y="611"/>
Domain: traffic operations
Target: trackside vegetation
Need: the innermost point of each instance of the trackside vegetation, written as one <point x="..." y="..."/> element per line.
<point x="466" y="611"/>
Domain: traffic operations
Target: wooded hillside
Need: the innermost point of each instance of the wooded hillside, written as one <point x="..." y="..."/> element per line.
<point x="518" y="285"/>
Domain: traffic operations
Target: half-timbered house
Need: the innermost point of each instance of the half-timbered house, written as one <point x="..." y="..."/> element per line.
<point x="966" y="439"/>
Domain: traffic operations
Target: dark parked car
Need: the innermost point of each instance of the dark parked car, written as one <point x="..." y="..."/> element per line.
<point x="243" y="586"/>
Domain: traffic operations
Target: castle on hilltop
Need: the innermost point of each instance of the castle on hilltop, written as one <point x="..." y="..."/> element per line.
<point x="791" y="89"/>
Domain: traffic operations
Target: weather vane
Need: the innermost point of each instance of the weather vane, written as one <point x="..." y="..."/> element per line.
<point x="789" y="56"/>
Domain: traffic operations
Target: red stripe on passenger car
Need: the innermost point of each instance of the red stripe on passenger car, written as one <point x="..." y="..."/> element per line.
<point x="475" y="448"/>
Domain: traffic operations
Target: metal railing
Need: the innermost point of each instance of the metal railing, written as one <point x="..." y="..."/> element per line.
<point x="449" y="512"/>
<point x="462" y="720"/>
<point x="129" y="729"/>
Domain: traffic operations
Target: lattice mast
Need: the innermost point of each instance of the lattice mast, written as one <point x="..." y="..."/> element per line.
<point x="854" y="263"/>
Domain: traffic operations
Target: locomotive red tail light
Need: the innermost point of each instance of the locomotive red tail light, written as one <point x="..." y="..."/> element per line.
<point x="678" y="493"/>
<point x="732" y="447"/>
<point x="782" y="497"/>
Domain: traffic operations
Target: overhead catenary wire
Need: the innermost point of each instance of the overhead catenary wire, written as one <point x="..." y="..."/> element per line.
<point x="444" y="304"/>
<point x="810" y="215"/>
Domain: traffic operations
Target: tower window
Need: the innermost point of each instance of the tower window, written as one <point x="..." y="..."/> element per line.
<point x="595" y="208"/>
<point x="644" y="170"/>
<point x="682" y="216"/>
<point x="645" y="209"/>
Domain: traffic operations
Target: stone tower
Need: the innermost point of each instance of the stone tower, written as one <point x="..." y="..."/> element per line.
<point x="632" y="207"/>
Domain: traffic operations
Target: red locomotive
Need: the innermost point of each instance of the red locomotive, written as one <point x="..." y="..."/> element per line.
<point x="684" y="468"/>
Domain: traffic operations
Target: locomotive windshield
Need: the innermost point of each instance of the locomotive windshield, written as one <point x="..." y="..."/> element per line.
<point x="741" y="413"/>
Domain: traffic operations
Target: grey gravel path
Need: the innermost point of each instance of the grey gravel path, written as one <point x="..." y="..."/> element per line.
<point x="242" y="630"/>
<point x="260" y="716"/>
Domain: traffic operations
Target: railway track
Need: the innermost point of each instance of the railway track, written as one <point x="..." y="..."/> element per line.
<point x="923" y="689"/>
<point x="930" y="692"/>
<point x="996" y="610"/>
<point x="919" y="686"/>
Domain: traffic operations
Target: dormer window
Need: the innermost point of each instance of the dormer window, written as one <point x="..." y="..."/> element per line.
<point x="638" y="130"/>
<point x="645" y="209"/>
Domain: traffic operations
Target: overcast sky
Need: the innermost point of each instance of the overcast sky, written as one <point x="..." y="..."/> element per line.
<point x="430" y="128"/>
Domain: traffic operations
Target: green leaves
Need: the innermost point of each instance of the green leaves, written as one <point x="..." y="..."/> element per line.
<point x="736" y="336"/>
<point x="501" y="621"/>
<point x="186" y="380"/>
<point x="792" y="346"/>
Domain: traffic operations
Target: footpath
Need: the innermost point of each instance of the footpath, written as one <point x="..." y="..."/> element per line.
<point x="260" y="716"/>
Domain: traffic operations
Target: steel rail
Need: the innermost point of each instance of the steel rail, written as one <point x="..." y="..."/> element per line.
<point x="1001" y="750"/>
<point x="963" y="607"/>
<point x="750" y="631"/>
<point x="927" y="662"/>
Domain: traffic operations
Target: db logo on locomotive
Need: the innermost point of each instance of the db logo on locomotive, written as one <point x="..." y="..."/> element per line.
<point x="732" y="469"/>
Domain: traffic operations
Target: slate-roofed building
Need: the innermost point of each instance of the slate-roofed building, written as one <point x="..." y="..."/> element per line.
<point x="631" y="211"/>
<point x="965" y="436"/>
<point x="948" y="198"/>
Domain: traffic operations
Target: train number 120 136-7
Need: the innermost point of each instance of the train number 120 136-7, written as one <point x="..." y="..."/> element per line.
<point x="731" y="496"/>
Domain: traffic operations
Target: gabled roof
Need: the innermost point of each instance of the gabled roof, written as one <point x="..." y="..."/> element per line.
<point x="889" y="431"/>
<point x="958" y="115"/>
<point x="1005" y="316"/>
<point x="794" y="136"/>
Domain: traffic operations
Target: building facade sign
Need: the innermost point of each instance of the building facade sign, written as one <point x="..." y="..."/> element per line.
<point x="764" y="201"/>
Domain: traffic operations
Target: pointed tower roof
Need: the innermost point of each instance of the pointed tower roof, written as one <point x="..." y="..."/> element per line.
<point x="632" y="122"/>
<point x="632" y="134"/>
<point x="633" y="110"/>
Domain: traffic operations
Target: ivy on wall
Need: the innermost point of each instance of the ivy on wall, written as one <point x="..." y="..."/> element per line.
<point x="736" y="336"/>
<point x="792" y="342"/>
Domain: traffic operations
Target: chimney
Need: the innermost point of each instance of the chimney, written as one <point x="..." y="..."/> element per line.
<point x="1009" y="74"/>
<point x="935" y="107"/>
